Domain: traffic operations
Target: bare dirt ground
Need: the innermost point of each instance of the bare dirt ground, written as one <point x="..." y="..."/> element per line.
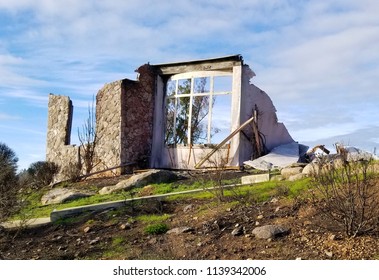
<point x="118" y="234"/>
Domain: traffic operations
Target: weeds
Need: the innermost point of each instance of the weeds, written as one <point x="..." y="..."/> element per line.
<point x="348" y="195"/>
<point x="153" y="218"/>
<point x="156" y="229"/>
<point x="117" y="249"/>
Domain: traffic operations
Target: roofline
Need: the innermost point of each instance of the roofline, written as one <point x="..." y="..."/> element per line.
<point x="236" y="57"/>
<point x="218" y="63"/>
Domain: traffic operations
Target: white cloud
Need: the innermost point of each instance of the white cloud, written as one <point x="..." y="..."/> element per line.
<point x="38" y="99"/>
<point x="6" y="117"/>
<point x="326" y="131"/>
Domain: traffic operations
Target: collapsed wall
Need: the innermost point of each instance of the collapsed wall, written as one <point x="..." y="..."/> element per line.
<point x="137" y="117"/>
<point x="124" y="120"/>
<point x="124" y="127"/>
<point x="130" y="115"/>
<point x="108" y="119"/>
<point x="272" y="132"/>
<point x="58" y="148"/>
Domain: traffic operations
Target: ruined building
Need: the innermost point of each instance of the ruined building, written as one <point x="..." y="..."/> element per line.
<point x="173" y="116"/>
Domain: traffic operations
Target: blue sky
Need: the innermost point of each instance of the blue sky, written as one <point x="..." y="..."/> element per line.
<point x="318" y="60"/>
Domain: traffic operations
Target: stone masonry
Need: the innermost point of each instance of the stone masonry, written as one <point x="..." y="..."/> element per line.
<point x="59" y="150"/>
<point x="108" y="120"/>
<point x="124" y="123"/>
<point x="137" y="117"/>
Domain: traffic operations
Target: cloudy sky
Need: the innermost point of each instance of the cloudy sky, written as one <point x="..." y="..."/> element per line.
<point x="318" y="60"/>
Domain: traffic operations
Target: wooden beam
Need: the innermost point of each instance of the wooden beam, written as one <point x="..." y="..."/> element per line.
<point x="230" y="136"/>
<point x="190" y="67"/>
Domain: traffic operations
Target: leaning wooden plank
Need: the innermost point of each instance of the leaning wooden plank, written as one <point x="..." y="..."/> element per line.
<point x="230" y="136"/>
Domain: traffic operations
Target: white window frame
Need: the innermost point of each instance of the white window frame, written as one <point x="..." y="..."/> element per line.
<point x="192" y="76"/>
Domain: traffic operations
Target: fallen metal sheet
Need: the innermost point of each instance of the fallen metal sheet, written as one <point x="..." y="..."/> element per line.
<point x="354" y="154"/>
<point x="278" y="158"/>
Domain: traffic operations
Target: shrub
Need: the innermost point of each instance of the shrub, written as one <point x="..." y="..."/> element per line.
<point x="41" y="173"/>
<point x="156" y="229"/>
<point x="348" y="195"/>
<point x="8" y="181"/>
<point x="72" y="172"/>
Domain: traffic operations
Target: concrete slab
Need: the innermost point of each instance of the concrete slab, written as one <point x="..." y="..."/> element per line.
<point x="26" y="223"/>
<point x="252" y="179"/>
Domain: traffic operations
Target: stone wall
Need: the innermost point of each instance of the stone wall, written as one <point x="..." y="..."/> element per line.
<point x="58" y="148"/>
<point x="108" y="125"/>
<point x="124" y="124"/>
<point x="137" y="117"/>
<point x="124" y="111"/>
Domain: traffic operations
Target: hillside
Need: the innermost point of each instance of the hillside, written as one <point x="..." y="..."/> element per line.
<point x="202" y="226"/>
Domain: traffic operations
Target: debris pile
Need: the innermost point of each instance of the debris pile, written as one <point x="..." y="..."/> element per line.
<point x="296" y="161"/>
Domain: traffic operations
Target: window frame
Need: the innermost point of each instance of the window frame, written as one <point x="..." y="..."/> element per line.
<point x="192" y="76"/>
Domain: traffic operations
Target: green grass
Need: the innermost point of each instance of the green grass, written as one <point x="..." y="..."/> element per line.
<point x="297" y="188"/>
<point x="178" y="187"/>
<point x="152" y="218"/>
<point x="259" y="192"/>
<point x="118" y="240"/>
<point x="116" y="249"/>
<point x="264" y="191"/>
<point x="156" y="229"/>
<point x="34" y="208"/>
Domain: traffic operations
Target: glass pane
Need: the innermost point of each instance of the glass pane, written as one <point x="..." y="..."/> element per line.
<point x="221" y="120"/>
<point x="170" y="119"/>
<point x="182" y="115"/>
<point x="199" y="122"/>
<point x="222" y="84"/>
<point x="202" y="85"/>
<point x="184" y="86"/>
<point x="171" y="87"/>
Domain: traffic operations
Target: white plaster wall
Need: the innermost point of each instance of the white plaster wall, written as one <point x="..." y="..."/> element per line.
<point x="275" y="132"/>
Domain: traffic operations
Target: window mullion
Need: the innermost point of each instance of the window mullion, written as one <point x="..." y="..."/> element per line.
<point x="189" y="140"/>
<point x="210" y="105"/>
<point x="176" y="111"/>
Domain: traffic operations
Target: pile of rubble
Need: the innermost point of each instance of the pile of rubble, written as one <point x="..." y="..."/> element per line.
<point x="296" y="161"/>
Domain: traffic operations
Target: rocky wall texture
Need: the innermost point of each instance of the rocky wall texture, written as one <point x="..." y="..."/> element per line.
<point x="124" y="125"/>
<point x="137" y="117"/>
<point x="58" y="148"/>
<point x="124" y="116"/>
<point x="108" y="126"/>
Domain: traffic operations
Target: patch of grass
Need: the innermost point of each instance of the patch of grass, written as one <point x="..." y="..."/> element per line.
<point x="231" y="204"/>
<point x="298" y="187"/>
<point x="35" y="209"/>
<point x="90" y="222"/>
<point x="117" y="248"/>
<point x="153" y="218"/>
<point x="259" y="192"/>
<point x="164" y="188"/>
<point x="118" y="240"/>
<point x="178" y="187"/>
<point x="156" y="229"/>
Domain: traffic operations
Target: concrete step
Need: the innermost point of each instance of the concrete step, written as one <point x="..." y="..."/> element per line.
<point x="26" y="223"/>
